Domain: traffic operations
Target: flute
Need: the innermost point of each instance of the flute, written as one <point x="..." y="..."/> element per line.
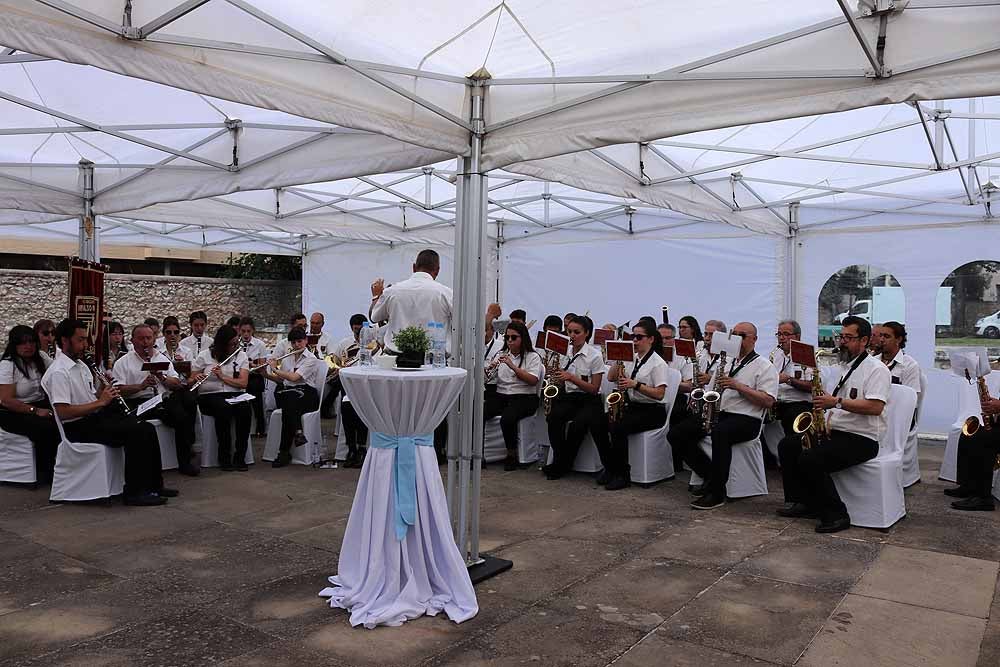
<point x="197" y="384"/>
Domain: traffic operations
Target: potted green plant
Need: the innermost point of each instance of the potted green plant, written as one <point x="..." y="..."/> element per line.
<point x="412" y="343"/>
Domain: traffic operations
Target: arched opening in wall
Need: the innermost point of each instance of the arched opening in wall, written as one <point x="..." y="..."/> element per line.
<point x="967" y="311"/>
<point x="863" y="290"/>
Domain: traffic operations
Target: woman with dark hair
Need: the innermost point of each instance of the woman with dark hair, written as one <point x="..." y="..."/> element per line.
<point x="688" y="327"/>
<point x="578" y="408"/>
<point x="24" y="410"/>
<point x="553" y="323"/>
<point x="519" y="369"/>
<point x="46" y="332"/>
<point x="645" y="379"/>
<point x="221" y="383"/>
<point x="116" y="342"/>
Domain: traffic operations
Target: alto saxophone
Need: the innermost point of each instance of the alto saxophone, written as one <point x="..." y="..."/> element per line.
<point x="974" y="423"/>
<point x="696" y="399"/>
<point x="551" y="388"/>
<point x="713" y="396"/>
<point x="811" y="425"/>
<point x="617" y="400"/>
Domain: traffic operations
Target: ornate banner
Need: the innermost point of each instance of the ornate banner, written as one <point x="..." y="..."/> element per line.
<point x="86" y="298"/>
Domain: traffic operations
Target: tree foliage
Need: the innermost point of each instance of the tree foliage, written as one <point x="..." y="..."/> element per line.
<point x="250" y="266"/>
<point x="969" y="282"/>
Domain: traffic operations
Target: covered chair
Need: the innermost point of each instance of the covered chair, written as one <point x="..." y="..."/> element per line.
<point x="746" y="473"/>
<point x="86" y="470"/>
<point x="873" y="490"/>
<point x="649" y="453"/>
<point x="17" y="459"/>
<point x="911" y="454"/>
<point x="311" y="428"/>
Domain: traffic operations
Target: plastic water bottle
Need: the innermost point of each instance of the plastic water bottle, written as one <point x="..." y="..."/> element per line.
<point x="365" y="353"/>
<point x="315" y="453"/>
<point x="438" y="344"/>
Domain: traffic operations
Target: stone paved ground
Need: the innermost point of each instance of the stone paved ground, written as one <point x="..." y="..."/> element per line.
<point x="228" y="574"/>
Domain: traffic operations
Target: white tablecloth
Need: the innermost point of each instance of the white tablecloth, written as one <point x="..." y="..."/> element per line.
<point x="381" y="579"/>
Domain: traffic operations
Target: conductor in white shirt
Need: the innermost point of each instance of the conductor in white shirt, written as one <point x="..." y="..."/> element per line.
<point x="413" y="303"/>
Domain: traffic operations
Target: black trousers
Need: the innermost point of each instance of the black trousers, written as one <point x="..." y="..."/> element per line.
<point x="178" y="411"/>
<point x="293" y="403"/>
<point x="806" y="472"/>
<point x="573" y="415"/>
<point x="333" y="388"/>
<point x="143" y="473"/>
<point x="43" y="433"/>
<point x="730" y="429"/>
<point x="976" y="457"/>
<point x="214" y="405"/>
<point x="256" y="385"/>
<point x="354" y="429"/>
<point x="511" y="408"/>
<point x="638" y="417"/>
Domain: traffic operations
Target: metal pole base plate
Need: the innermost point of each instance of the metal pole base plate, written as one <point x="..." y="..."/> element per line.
<point x="489" y="566"/>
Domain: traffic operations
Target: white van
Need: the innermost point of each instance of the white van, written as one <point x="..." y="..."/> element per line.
<point x="989" y="326"/>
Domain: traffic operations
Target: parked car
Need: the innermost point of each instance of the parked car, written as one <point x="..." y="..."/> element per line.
<point x="989" y="326"/>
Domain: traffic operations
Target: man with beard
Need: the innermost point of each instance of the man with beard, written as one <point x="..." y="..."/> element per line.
<point x="856" y="419"/>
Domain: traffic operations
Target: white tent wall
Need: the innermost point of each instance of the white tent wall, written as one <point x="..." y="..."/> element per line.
<point x="920" y="259"/>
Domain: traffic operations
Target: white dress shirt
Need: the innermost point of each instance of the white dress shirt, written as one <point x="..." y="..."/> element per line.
<point x="69" y="382"/>
<point x="586" y="363"/>
<point x="871" y="381"/>
<point x="905" y="370"/>
<point x="413" y="303"/>
<point x="509" y="383"/>
<point x="759" y="374"/>
<point x="325" y="343"/>
<point x="256" y="348"/>
<point x="305" y="365"/>
<point x="27" y="388"/>
<point x="196" y="344"/>
<point x="128" y="370"/>
<point x="786" y="392"/>
<point x="683" y="366"/>
<point x="205" y="362"/>
<point x="653" y="373"/>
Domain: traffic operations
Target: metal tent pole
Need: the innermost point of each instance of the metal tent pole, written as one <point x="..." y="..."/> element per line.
<point x="90" y="248"/>
<point x="791" y="258"/>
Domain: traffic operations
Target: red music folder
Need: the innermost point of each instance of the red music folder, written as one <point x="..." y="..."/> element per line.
<point x="540" y="340"/>
<point x="684" y="347"/>
<point x="668" y="353"/>
<point x="803" y="354"/>
<point x="620" y="350"/>
<point x="601" y="336"/>
<point x="556" y="342"/>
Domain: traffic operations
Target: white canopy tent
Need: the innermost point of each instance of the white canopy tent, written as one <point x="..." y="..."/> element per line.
<point x="617" y="139"/>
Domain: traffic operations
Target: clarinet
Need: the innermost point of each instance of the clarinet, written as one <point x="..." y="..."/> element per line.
<point x="91" y="363"/>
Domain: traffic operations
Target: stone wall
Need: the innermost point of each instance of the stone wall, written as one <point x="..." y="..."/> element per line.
<point x="27" y="296"/>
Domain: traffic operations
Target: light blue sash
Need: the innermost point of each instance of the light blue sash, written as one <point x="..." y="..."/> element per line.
<point x="404" y="474"/>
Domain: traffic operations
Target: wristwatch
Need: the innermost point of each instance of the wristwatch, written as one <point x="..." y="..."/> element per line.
<point x="840" y="403"/>
<point x="31" y="409"/>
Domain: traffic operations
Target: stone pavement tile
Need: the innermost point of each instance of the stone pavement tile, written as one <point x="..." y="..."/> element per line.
<point x="615" y="528"/>
<point x="192" y="639"/>
<point x="963" y="536"/>
<point x="18" y="498"/>
<point x="531" y="515"/>
<point x="298" y="516"/>
<point x="31" y="573"/>
<point x="928" y="579"/>
<point x="326" y="536"/>
<point x="758" y="510"/>
<point x="544" y="565"/>
<point x="227" y="496"/>
<point x="546" y="636"/>
<point x="638" y="593"/>
<point x="765" y="619"/>
<point x="709" y="542"/>
<point x="283" y="653"/>
<point x="85" y="530"/>
<point x="56" y="517"/>
<point x="77" y="617"/>
<point x="866" y="631"/>
<point x="658" y="649"/>
<point x="989" y="651"/>
<point x="812" y="560"/>
<point x="284" y="607"/>
<point x="493" y="539"/>
<point x="302" y="481"/>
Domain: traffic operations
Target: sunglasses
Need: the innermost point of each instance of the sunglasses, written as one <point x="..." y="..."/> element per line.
<point x="511" y="337"/>
<point x="639" y="335"/>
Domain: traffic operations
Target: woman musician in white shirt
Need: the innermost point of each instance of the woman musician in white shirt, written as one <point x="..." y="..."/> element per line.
<point x="297" y="395"/>
<point x="24" y="410"/>
<point x="646" y="382"/>
<point x="578" y="407"/>
<point x="220" y="382"/>
<point x="518" y="370"/>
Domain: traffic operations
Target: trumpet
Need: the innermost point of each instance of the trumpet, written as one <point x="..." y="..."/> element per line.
<point x="225" y="361"/>
<point x="101" y="375"/>
<point x="811" y="424"/>
<point x="711" y="397"/>
<point x="268" y="363"/>
<point x="974" y="423"/>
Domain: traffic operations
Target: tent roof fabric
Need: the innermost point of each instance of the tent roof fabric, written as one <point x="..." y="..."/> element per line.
<point x="679" y="114"/>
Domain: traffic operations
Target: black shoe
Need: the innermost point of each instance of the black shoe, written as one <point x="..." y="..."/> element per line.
<point x="796" y="511"/>
<point x="833" y="525"/>
<point x="225" y="464"/>
<point x="189" y="470"/>
<point x="699" y="490"/>
<point x="241" y="466"/>
<point x="617" y="483"/>
<point x="551" y="471"/>
<point x="510" y="463"/>
<point x="603" y="477"/>
<point x="959" y="492"/>
<point x="299" y="439"/>
<point x="284" y="458"/>
<point x="975" y="504"/>
<point x="145" y="500"/>
<point x="168" y="493"/>
<point x="709" y="501"/>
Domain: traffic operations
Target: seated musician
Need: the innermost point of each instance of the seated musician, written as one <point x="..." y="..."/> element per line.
<point x="223" y="369"/>
<point x="518" y="315"/>
<point x="519" y="370"/>
<point x="554" y="323"/>
<point x="24" y="409"/>
<point x="345" y="350"/>
<point x="645" y="380"/>
<point x="196" y="342"/>
<point x="296" y="395"/>
<point x="296" y="321"/>
<point x="578" y="408"/>
<point x="855" y="418"/>
<point x="178" y="409"/>
<point x="978" y="457"/>
<point x="566" y="319"/>
<point x="683" y="366"/>
<point x="748" y="386"/>
<point x="324" y="344"/>
<point x="154" y="325"/>
<point x="91" y="416"/>
<point x="171" y="347"/>
<point x="256" y="350"/>
<point x="46" y="332"/>
<point x="116" y="343"/>
<point x="890" y="342"/>
<point x="794" y="384"/>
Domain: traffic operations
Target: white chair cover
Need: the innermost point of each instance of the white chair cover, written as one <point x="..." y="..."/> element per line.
<point x="649" y="453"/>
<point x="168" y="445"/>
<point x="86" y="470"/>
<point x="17" y="459"/>
<point x="746" y="472"/>
<point x="911" y="454"/>
<point x="873" y="490"/>
<point x="311" y="427"/>
<point x="210" y="445"/>
<point x="494" y="448"/>
<point x="587" y="458"/>
<point x="774" y="433"/>
<point x="540" y="433"/>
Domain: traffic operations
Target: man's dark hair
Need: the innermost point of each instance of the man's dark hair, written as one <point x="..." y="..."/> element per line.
<point x="358" y="319"/>
<point x="151" y="322"/>
<point x="67" y="328"/>
<point x="898" y="330"/>
<point x="170" y="319"/>
<point x="518" y="315"/>
<point x="427" y="260"/>
<point x="247" y="320"/>
<point x="553" y="321"/>
<point x="297" y="316"/>
<point x="197" y="315"/>
<point x="863" y="325"/>
<point x="234" y="321"/>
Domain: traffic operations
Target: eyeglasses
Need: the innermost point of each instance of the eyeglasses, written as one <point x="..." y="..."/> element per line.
<point x="46" y="332"/>
<point x="511" y="337"/>
<point x="783" y="334"/>
<point x="637" y="336"/>
<point x="741" y="334"/>
<point x="847" y="337"/>
<point x="171" y="332"/>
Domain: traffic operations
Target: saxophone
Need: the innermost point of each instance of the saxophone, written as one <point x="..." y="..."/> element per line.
<point x="772" y="412"/>
<point x="811" y="425"/>
<point x="618" y="399"/>
<point x="974" y="423"/>
<point x="551" y="388"/>
<point x="711" y="398"/>
<point x="696" y="399"/>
